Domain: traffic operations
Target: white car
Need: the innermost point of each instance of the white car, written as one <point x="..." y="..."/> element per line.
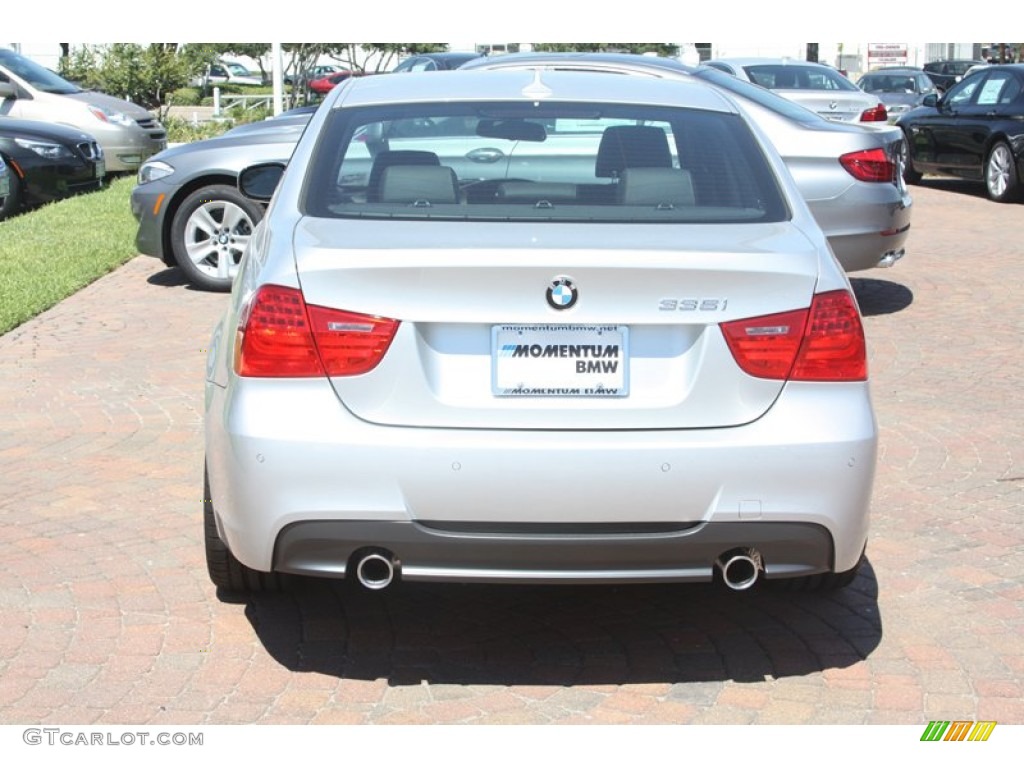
<point x="127" y="132"/>
<point x="605" y="342"/>
<point x="227" y="72"/>
<point x="820" y="88"/>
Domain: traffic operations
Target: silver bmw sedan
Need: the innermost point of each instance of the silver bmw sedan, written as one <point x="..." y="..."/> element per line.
<point x="536" y="326"/>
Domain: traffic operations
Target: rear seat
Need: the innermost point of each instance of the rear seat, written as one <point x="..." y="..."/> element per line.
<point x="667" y="187"/>
<point x="419" y="185"/>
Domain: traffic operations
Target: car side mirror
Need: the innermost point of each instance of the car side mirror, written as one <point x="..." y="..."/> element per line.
<point x="258" y="182"/>
<point x="931" y="100"/>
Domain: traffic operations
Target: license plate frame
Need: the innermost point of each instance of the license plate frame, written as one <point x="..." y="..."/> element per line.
<point x="560" y="360"/>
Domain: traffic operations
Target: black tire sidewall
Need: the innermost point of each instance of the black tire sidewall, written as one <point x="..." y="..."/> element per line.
<point x="189" y="205"/>
<point x="910" y="176"/>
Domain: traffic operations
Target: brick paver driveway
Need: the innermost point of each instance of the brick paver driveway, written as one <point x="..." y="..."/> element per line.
<point x="108" y="616"/>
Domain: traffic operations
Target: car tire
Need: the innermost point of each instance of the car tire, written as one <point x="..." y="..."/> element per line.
<point x="209" y="233"/>
<point x="910" y="176"/>
<point x="819" y="582"/>
<point x="1001" y="179"/>
<point x="225" y="571"/>
<point x="12" y="203"/>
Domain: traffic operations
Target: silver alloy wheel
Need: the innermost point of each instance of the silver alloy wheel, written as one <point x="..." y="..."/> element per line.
<point x="998" y="170"/>
<point x="216" y="235"/>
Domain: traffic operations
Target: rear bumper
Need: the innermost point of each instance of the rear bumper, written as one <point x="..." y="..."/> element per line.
<point x="299" y="484"/>
<point x="561" y="554"/>
<point x="867" y="251"/>
<point x="879" y="230"/>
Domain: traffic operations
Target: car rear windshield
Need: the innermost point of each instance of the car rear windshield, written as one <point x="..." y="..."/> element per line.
<point x="762" y="96"/>
<point x="541" y="161"/>
<point x="782" y="77"/>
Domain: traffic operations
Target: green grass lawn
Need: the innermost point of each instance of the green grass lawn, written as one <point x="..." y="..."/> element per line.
<point x="49" y="253"/>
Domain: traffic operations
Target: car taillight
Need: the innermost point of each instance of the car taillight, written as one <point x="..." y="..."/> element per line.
<point x="823" y="343"/>
<point x="280" y="336"/>
<point x="876" y="114"/>
<point x="869" y="165"/>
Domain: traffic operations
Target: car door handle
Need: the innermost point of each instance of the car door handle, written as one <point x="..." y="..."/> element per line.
<point x="485" y="155"/>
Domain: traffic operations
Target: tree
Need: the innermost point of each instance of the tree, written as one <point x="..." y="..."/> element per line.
<point x="141" y="74"/>
<point x="386" y="53"/>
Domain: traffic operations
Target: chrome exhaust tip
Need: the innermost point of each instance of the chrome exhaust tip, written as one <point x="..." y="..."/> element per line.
<point x="889" y="258"/>
<point x="376" y="569"/>
<point x="740" y="568"/>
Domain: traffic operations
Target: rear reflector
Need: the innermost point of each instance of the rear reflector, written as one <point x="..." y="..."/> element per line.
<point x="823" y="343"/>
<point x="279" y="336"/>
<point x="869" y="165"/>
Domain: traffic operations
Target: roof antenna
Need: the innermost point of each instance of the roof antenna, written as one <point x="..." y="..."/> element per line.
<point x="537" y="89"/>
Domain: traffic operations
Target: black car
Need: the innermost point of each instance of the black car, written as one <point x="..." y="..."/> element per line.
<point x="975" y="130"/>
<point x="430" y="62"/>
<point x="949" y="72"/>
<point x="47" y="162"/>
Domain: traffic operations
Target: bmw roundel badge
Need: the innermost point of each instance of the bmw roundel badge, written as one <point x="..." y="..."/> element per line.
<point x="562" y="293"/>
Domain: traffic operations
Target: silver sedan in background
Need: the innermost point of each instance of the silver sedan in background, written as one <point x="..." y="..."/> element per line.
<point x="899" y="90"/>
<point x="849" y="173"/>
<point x="819" y="88"/>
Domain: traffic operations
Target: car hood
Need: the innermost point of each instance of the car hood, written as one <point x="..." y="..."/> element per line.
<point x="113" y="103"/>
<point x="227" y="154"/>
<point x="245" y="144"/>
<point x="277" y="125"/>
<point x="35" y="129"/>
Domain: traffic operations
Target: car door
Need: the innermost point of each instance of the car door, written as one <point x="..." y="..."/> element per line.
<point x="941" y="141"/>
<point x="991" y="104"/>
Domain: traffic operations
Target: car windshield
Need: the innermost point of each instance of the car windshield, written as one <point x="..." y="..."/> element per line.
<point x="541" y="161"/>
<point x="890" y="83"/>
<point x="39" y="77"/>
<point x="783" y="77"/>
<point x="238" y="70"/>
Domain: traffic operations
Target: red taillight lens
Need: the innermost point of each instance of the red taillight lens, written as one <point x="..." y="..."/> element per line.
<point x="834" y="348"/>
<point x="824" y="343"/>
<point x="876" y="114"/>
<point x="869" y="165"/>
<point x="279" y="336"/>
<point x="766" y="346"/>
<point x="350" y="343"/>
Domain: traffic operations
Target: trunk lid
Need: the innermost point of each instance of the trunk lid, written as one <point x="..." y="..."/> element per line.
<point x="476" y="318"/>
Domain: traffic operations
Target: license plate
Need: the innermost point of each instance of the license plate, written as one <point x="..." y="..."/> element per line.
<point x="560" y="360"/>
<point x="101" y="169"/>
